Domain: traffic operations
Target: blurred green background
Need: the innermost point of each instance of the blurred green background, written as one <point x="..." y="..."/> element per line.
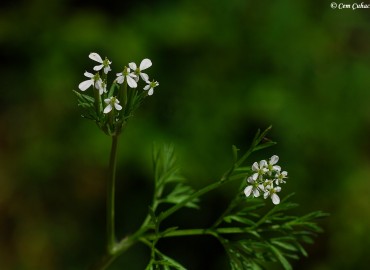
<point x="225" y="68"/>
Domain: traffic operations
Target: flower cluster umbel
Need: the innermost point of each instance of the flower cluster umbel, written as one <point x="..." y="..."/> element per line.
<point x="266" y="178"/>
<point x="111" y="109"/>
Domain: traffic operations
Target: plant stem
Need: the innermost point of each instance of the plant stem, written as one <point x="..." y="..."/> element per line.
<point x="190" y="232"/>
<point x="111" y="238"/>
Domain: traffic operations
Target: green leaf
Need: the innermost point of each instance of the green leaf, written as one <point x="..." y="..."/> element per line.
<point x="284" y="245"/>
<point x="181" y="193"/>
<point x="284" y="262"/>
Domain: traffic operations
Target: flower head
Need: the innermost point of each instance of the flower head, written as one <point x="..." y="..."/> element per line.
<point x="254" y="188"/>
<point x="129" y="76"/>
<point x="259" y="169"/>
<point x="93" y="80"/>
<point x="146" y="63"/>
<point x="280" y="176"/>
<point x="271" y="191"/>
<point x="103" y="63"/>
<point x="266" y="174"/>
<point x="271" y="165"/>
<point x="112" y="102"/>
<point x="150" y="87"/>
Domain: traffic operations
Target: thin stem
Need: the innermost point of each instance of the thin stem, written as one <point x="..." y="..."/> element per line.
<point x="191" y="232"/>
<point x="111" y="238"/>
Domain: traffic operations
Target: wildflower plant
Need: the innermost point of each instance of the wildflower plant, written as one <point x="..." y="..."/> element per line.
<point x="251" y="231"/>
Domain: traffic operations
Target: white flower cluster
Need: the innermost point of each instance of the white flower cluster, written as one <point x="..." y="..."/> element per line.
<point x="266" y="179"/>
<point x="131" y="77"/>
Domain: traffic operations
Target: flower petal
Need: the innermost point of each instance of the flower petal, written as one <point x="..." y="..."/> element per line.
<point x="146" y="87"/>
<point x="107" y="100"/>
<point x="248" y="191"/>
<point x="131" y="82"/>
<point x="274" y="159"/>
<point x="107" y="69"/>
<point x="263" y="163"/>
<point x="108" y="108"/>
<point x="256" y="192"/>
<point x="117" y="106"/>
<point x="96" y="57"/>
<point x="275" y="198"/>
<point x="85" y="84"/>
<point x="99" y="67"/>
<point x="120" y="79"/>
<point x="255" y="166"/>
<point x="146" y="63"/>
<point x="151" y="91"/>
<point x="144" y="76"/>
<point x="132" y="65"/>
<point x="88" y="74"/>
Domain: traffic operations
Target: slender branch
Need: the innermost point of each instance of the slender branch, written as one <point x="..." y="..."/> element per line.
<point x="111" y="238"/>
<point x="191" y="232"/>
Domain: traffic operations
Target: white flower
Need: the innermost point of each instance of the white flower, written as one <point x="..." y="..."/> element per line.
<point x="146" y="63"/>
<point x="254" y="188"/>
<point x="150" y="87"/>
<point x="271" y="165"/>
<point x="280" y="177"/>
<point x="259" y="169"/>
<point x="271" y="191"/>
<point x="130" y="78"/>
<point x="93" y="80"/>
<point x="103" y="63"/>
<point x="112" y="102"/>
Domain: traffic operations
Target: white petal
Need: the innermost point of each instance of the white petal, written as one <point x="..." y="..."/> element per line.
<point x="120" y="79"/>
<point x="131" y="82"/>
<point x="151" y="91"/>
<point x="144" y="76"/>
<point x="266" y="194"/>
<point x="145" y="64"/>
<point x="256" y="193"/>
<point x="88" y="74"/>
<point x="274" y="159"/>
<point x="107" y="69"/>
<point x="284" y="173"/>
<point x="255" y="166"/>
<point x="117" y="106"/>
<point x="263" y="163"/>
<point x="276" y="168"/>
<point x="147" y="87"/>
<point x="132" y="65"/>
<point x="275" y="198"/>
<point x="107" y="100"/>
<point x="85" y="84"/>
<point x="97" y="68"/>
<point x="255" y="176"/>
<point x="248" y="191"/>
<point x="108" y="108"/>
<point x="119" y="74"/>
<point x="250" y="179"/>
<point x="277" y="189"/>
<point x="96" y="57"/>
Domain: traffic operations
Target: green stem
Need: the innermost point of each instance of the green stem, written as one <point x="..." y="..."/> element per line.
<point x="111" y="238"/>
<point x="191" y="232"/>
<point x="98" y="104"/>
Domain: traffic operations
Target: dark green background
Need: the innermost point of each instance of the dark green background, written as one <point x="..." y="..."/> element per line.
<point x="225" y="68"/>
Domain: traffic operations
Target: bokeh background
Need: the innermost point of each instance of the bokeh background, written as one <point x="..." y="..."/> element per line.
<point x="225" y="68"/>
